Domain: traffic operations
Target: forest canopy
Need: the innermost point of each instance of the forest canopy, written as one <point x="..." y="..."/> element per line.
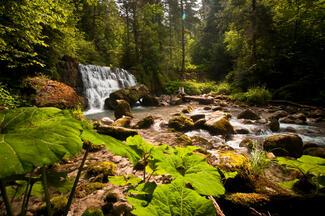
<point x="275" y="44"/>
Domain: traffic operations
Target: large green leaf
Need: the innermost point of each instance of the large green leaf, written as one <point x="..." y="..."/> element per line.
<point x="175" y="199"/>
<point x="113" y="145"/>
<point x="306" y="163"/>
<point x="192" y="168"/>
<point x="32" y="137"/>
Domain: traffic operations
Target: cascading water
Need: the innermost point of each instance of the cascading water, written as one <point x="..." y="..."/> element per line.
<point x="99" y="82"/>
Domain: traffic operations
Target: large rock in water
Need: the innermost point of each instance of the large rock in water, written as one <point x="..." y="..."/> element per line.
<point x="181" y="123"/>
<point x="284" y="145"/>
<point x="44" y="92"/>
<point x="248" y="114"/>
<point x="122" y="109"/>
<point x="219" y="126"/>
<point x="130" y="94"/>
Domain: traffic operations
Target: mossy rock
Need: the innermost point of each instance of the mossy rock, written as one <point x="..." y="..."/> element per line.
<point x="145" y="122"/>
<point x="58" y="204"/>
<point x="184" y="140"/>
<point x="247" y="143"/>
<point x="181" y="123"/>
<point x="219" y="126"/>
<point x="202" y="142"/>
<point x="231" y="160"/>
<point x="248" y="199"/>
<point x="187" y="110"/>
<point x="122" y="108"/>
<point x="150" y="100"/>
<point x="284" y="145"/>
<point x="130" y="94"/>
<point x="125" y="121"/>
<point x="44" y="92"/>
<point x="274" y="124"/>
<point x="84" y="190"/>
<point x="248" y="114"/>
<point x="103" y="169"/>
<point x="93" y="211"/>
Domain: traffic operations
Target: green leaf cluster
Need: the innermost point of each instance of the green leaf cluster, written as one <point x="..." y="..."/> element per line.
<point x="36" y="137"/>
<point x="192" y="176"/>
<point x="306" y="164"/>
<point x="176" y="199"/>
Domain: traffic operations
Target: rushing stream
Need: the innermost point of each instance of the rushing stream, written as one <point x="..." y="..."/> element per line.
<point x="257" y="130"/>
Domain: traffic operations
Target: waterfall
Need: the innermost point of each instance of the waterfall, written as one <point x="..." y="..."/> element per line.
<point x="99" y="82"/>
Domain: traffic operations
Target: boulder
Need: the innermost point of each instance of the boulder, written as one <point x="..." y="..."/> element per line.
<point x="219" y="126"/>
<point x="176" y="101"/>
<point x="248" y="114"/>
<point x="125" y="121"/>
<point x="106" y="121"/>
<point x="274" y="124"/>
<point x="187" y="110"/>
<point x="247" y="143"/>
<point x="317" y="113"/>
<point x="202" y="142"/>
<point x="120" y="133"/>
<point x="183" y="140"/>
<point x="196" y="117"/>
<point x="284" y="145"/>
<point x="122" y="109"/>
<point x="181" y="123"/>
<point x="200" y="124"/>
<point x="279" y="114"/>
<point x="292" y="119"/>
<point x="145" y="122"/>
<point x="44" y="92"/>
<point x="131" y="95"/>
<point x="318" y="151"/>
<point x="150" y="100"/>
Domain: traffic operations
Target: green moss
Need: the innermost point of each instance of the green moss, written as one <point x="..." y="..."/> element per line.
<point x="93" y="212"/>
<point x="59" y="202"/>
<point x="101" y="170"/>
<point x="145" y="123"/>
<point x="231" y="160"/>
<point x="88" y="188"/>
<point x="184" y="140"/>
<point x="248" y="199"/>
<point x="181" y="123"/>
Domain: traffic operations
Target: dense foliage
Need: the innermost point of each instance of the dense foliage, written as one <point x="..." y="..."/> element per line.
<point x="276" y="44"/>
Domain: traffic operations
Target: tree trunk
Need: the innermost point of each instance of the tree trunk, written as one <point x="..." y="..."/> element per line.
<point x="183" y="40"/>
<point x="254" y="31"/>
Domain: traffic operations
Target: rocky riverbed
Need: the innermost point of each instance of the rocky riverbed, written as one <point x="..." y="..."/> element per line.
<point x="248" y="145"/>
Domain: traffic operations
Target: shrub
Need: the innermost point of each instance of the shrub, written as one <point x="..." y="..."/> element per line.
<point x="258" y="95"/>
<point x="191" y="87"/>
<point x="223" y="88"/>
<point x="255" y="95"/>
<point x="6" y="99"/>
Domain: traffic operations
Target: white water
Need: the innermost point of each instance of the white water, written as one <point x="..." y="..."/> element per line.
<point x="99" y="82"/>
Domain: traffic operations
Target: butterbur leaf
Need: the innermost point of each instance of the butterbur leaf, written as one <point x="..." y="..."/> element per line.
<point x="139" y="145"/>
<point x="34" y="137"/>
<point x="113" y="145"/>
<point x="175" y="199"/>
<point x="193" y="169"/>
<point x="306" y="163"/>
